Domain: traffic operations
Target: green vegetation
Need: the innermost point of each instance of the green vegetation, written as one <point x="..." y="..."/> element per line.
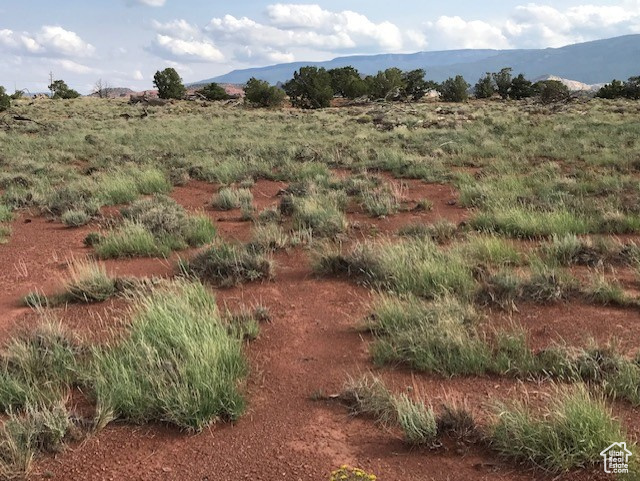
<point x="178" y="365"/>
<point x="154" y="227"/>
<point x="569" y="435"/>
<point x="5" y="100"/>
<point x="260" y="94"/>
<point x="213" y="91"/>
<point x="60" y="90"/>
<point x="454" y="89"/>
<point x="368" y="396"/>
<point x="231" y="198"/>
<point x="169" y="84"/>
<point x="229" y="264"/>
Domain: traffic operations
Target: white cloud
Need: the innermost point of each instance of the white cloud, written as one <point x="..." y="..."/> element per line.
<point x="75" y="67"/>
<point x="187" y="50"/>
<point x="178" y="29"/>
<point x="148" y="3"/>
<point x="536" y="25"/>
<point x="53" y="41"/>
<point x="454" y="32"/>
<point x="137" y="75"/>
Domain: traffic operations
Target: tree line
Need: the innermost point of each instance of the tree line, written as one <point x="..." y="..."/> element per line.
<point x="315" y="87"/>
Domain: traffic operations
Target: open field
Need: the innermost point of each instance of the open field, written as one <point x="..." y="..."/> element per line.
<point x="424" y="291"/>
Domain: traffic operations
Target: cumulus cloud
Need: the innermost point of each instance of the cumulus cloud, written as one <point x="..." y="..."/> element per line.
<point x="75" y="67"/>
<point x="536" y="25"/>
<point x="187" y="50"/>
<point x="181" y="41"/>
<point x="50" y="40"/>
<point x="458" y="33"/>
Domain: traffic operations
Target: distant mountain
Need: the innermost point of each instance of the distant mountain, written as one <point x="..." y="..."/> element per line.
<point x="589" y="63"/>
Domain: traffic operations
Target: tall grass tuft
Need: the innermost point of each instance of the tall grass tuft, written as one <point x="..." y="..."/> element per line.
<point x="570" y="434"/>
<point x="178" y="365"/>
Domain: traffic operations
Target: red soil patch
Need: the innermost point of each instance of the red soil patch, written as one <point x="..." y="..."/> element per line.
<point x="575" y="323"/>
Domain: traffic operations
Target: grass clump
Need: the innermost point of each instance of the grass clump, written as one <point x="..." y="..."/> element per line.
<point x="155" y="227"/>
<point x="130" y="240"/>
<point x="23" y="435"/>
<point x="436" y="337"/>
<point x="382" y="202"/>
<point x="229" y="264"/>
<point x="75" y="218"/>
<point x="528" y="223"/>
<point x="570" y="434"/>
<point x="415" y="266"/>
<point x="231" y="198"/>
<point x="368" y="396"/>
<point x="178" y="365"/>
<point x="319" y="213"/>
<point x="37" y="369"/>
<point x="441" y="231"/>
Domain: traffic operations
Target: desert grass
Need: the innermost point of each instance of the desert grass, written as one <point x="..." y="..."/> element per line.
<point x="229" y="264"/>
<point x="154" y="227"/>
<point x="570" y="434"/>
<point x="179" y="364"/>
<point x="231" y="198"/>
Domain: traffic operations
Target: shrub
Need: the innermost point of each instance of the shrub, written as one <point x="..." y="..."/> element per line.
<point x="88" y="281"/>
<point x="5" y="100"/>
<point x="382" y="202"/>
<point x="131" y="239"/>
<point x="569" y="435"/>
<point x="261" y="94"/>
<point x="37" y="369"/>
<point x="178" y="365"/>
<point x="310" y="88"/>
<point x="551" y="91"/>
<point x="322" y="214"/>
<point x="228" y="264"/>
<point x="436" y="337"/>
<point x="23" y="435"/>
<point x="155" y="227"/>
<point x="213" y="91"/>
<point x="347" y="473"/>
<point x="75" y="218"/>
<point x="368" y="396"/>
<point x="169" y="84"/>
<point x="454" y="89"/>
<point x="230" y="198"/>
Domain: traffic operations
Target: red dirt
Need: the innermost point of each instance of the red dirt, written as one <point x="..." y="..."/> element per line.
<point x="311" y="345"/>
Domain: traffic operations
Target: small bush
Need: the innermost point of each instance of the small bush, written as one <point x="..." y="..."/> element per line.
<point x="37" y="369"/>
<point x="88" y="281"/>
<point x="178" y="365"/>
<point x="229" y="198"/>
<point x="130" y="240"/>
<point x="155" y="227"/>
<point x="382" y="202"/>
<point x="569" y="435"/>
<point x="323" y="215"/>
<point x="22" y="436"/>
<point x="226" y="264"/>
<point x="75" y="218"/>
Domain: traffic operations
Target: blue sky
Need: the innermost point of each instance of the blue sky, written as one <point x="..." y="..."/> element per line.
<point x="124" y="42"/>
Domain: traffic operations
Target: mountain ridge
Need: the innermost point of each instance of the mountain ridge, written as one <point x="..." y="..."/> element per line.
<point x="592" y="62"/>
